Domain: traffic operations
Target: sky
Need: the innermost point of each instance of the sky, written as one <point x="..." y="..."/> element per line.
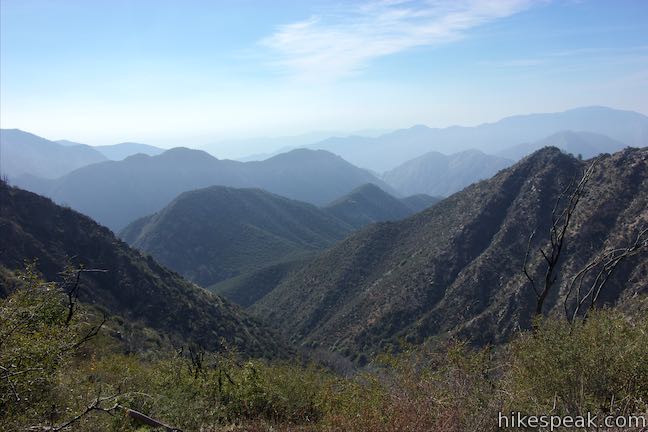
<point x="193" y="72"/>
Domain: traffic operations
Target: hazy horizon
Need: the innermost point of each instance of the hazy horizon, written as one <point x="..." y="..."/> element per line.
<point x="195" y="73"/>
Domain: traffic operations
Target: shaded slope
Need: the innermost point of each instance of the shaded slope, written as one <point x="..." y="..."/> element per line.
<point x="457" y="266"/>
<point x="135" y="287"/>
<point x="368" y="204"/>
<point x="365" y="205"/>
<point x="420" y="202"/>
<point x="440" y="175"/>
<point x="248" y="288"/>
<point x="217" y="233"/>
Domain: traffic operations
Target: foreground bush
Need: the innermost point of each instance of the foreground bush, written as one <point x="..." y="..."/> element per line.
<point x="442" y="390"/>
<point x="51" y="372"/>
<point x="40" y="332"/>
<point x="599" y="366"/>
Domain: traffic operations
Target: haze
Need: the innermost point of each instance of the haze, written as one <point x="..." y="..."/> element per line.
<point x="194" y="73"/>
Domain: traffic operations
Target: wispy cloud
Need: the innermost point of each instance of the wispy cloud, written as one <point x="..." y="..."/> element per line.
<point x="580" y="58"/>
<point x="340" y="43"/>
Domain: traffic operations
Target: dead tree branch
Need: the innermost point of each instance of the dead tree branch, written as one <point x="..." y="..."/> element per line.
<point x="73" y="291"/>
<point x="96" y="406"/>
<point x="607" y="262"/>
<point x="561" y="217"/>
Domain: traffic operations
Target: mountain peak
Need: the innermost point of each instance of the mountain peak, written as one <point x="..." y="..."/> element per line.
<point x="186" y="154"/>
<point x="367" y="204"/>
<point x="549" y="155"/>
<point x="437" y="174"/>
<point x="305" y="154"/>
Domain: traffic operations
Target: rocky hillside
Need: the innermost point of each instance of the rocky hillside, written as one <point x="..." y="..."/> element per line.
<point x="457" y="267"/>
<point x="134" y="287"/>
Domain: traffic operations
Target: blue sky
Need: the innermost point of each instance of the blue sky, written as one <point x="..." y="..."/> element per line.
<point x="173" y="72"/>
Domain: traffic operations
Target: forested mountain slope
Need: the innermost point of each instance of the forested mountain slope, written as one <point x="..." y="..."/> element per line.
<point x="216" y="233"/>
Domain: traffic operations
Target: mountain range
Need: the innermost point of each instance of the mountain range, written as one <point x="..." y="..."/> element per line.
<point x="134" y="287"/>
<point x="122" y="150"/>
<point x="387" y="151"/>
<point x="30" y="159"/>
<point x="356" y="269"/>
<point x="217" y="233"/>
<point x="116" y="193"/>
<point x="119" y="151"/>
<point x="456" y="268"/>
<point x="261" y="148"/>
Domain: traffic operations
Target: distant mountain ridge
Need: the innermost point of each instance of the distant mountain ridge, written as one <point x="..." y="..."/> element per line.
<point x="120" y="151"/>
<point x="385" y="152"/>
<point x="134" y="287"/>
<point x="456" y="268"/>
<point x="440" y="175"/>
<point x="116" y="193"/>
<point x="585" y="144"/>
<point x="26" y="154"/>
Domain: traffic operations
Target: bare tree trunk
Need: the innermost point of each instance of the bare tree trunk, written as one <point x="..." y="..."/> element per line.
<point x="560" y="222"/>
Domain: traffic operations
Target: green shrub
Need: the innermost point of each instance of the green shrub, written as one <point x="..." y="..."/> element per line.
<point x="422" y="390"/>
<point x="599" y="365"/>
<point x="37" y="342"/>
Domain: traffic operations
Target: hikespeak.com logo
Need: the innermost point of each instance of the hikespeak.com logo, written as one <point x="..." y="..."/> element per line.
<point x="589" y="421"/>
